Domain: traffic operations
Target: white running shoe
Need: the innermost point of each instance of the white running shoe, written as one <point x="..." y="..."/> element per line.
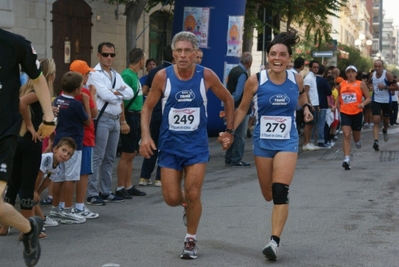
<point x="309" y="147"/>
<point x="86" y="213"/>
<point x="48" y="222"/>
<point x="270" y="250"/>
<point x="55" y="214"/>
<point x="358" y="144"/>
<point x="70" y="217"/>
<point x="158" y="183"/>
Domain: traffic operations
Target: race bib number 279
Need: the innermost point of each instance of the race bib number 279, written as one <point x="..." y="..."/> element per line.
<point x="275" y="127"/>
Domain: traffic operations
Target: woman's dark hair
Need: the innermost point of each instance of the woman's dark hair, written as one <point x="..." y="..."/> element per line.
<point x="288" y="39"/>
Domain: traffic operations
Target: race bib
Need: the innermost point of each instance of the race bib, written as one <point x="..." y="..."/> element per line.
<point x="275" y="127"/>
<point x="349" y="98"/>
<point x="186" y="119"/>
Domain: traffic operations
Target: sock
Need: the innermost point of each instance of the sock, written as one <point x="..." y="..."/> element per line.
<point x="190" y="236"/>
<point x="80" y="206"/>
<point x="50" y="197"/>
<point x="347" y="158"/>
<point x="62" y="205"/>
<point x="119" y="188"/>
<point x="275" y="238"/>
<point x="130" y="187"/>
<point x="376" y="141"/>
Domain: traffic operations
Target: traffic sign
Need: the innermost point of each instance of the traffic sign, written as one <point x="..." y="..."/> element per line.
<point x="323" y="53"/>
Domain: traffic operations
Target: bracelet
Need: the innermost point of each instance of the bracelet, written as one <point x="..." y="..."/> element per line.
<point x="307" y="105"/>
<point x="230" y="131"/>
<point x="123" y="122"/>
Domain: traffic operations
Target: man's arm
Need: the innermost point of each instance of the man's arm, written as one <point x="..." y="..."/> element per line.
<point x="393" y="85"/>
<point x="43" y="94"/>
<point x="103" y="91"/>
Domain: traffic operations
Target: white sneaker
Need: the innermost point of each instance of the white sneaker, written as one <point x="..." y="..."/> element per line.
<point x="309" y="147"/>
<point x="158" y="183"/>
<point x="86" y="213"/>
<point x="48" y="222"/>
<point x="314" y="147"/>
<point x="70" y="217"/>
<point x="55" y="214"/>
<point x="143" y="181"/>
<point x="270" y="250"/>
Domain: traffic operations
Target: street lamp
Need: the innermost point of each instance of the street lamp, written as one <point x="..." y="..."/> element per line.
<point x="361" y="43"/>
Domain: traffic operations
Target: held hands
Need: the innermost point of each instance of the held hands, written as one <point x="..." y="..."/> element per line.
<point x="226" y="139"/>
<point x="381" y="86"/>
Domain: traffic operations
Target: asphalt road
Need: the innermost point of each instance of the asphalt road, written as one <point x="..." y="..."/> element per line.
<point x="337" y="218"/>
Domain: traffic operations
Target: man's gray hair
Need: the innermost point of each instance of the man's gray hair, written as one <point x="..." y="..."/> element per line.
<point x="185" y="36"/>
<point x="246" y="57"/>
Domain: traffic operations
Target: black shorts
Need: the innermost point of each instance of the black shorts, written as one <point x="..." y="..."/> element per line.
<point x="130" y="141"/>
<point x="355" y="121"/>
<point x="376" y="109"/>
<point x="8" y="146"/>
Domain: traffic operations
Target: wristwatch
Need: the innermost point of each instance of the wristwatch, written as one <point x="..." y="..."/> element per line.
<point x="51" y="123"/>
<point x="230" y="131"/>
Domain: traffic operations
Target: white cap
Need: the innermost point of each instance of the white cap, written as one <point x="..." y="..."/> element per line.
<point x="351" y="67"/>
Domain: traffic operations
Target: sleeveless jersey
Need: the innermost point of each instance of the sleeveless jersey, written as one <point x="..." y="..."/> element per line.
<point x="380" y="96"/>
<point x="184" y="115"/>
<point x="350" y="97"/>
<point x="275" y="107"/>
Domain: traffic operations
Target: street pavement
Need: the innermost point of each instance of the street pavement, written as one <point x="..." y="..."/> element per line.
<point x="337" y="218"/>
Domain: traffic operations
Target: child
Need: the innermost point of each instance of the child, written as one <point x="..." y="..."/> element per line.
<point x="52" y="165"/>
<point x="81" y="67"/>
<point x="72" y="116"/>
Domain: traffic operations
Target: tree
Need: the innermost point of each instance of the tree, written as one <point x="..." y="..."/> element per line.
<point x="311" y="14"/>
<point x="133" y="11"/>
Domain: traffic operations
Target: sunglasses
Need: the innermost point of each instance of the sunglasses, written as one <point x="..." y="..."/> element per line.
<point x="108" y="54"/>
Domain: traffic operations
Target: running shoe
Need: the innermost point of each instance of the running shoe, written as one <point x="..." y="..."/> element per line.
<point x="376" y="147"/>
<point x="70" y="217"/>
<point x="31" y="243"/>
<point x="270" y="250"/>
<point x="158" y="183"/>
<point x="48" y="222"/>
<point x="135" y="192"/>
<point x="86" y="213"/>
<point x="95" y="201"/>
<point x="46" y="201"/>
<point x="346" y="165"/>
<point x="144" y="181"/>
<point x="190" y="249"/>
<point x="123" y="193"/>
<point x="323" y="146"/>
<point x="111" y="198"/>
<point x="358" y="144"/>
<point x="55" y="214"/>
<point x="385" y="134"/>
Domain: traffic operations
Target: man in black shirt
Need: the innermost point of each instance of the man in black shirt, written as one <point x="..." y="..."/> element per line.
<point x="149" y="164"/>
<point x="16" y="51"/>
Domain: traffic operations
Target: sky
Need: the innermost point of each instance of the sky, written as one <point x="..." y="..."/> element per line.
<point x="391" y="7"/>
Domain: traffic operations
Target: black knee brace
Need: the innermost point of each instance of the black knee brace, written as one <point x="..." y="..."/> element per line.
<point x="280" y="193"/>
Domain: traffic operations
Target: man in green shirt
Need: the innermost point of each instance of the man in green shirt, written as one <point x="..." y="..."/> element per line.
<point x="130" y="126"/>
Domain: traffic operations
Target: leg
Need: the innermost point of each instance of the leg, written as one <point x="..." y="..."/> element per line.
<point x="347" y="139"/>
<point x="171" y="186"/>
<point x="376" y="127"/>
<point x="194" y="177"/>
<point x="109" y="158"/>
<point x="125" y="169"/>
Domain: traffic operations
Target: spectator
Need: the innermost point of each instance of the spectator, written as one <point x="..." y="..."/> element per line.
<point x="149" y="65"/>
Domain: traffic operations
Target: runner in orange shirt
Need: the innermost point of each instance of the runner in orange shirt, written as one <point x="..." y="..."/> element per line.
<point x="351" y="93"/>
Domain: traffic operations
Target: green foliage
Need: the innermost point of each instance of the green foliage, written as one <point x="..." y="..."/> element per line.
<point x="393" y="69"/>
<point x="355" y="58"/>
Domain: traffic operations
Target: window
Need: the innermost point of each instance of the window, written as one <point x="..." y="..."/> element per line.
<point x="160" y="34"/>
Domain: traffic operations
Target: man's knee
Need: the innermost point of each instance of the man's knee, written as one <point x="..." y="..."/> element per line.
<point x="280" y="193"/>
